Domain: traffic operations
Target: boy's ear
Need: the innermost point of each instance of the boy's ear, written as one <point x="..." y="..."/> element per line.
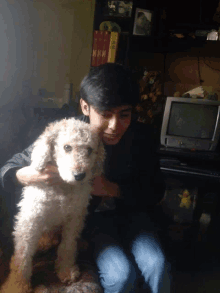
<point x="84" y="107"/>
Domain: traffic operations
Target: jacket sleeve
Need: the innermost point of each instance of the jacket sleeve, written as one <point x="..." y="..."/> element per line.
<point x="7" y="172"/>
<point x="23" y="159"/>
<point x="146" y="186"/>
<point x="150" y="179"/>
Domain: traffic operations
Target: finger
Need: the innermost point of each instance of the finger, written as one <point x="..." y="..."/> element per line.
<point x="50" y="174"/>
<point x="54" y="182"/>
<point x="51" y="168"/>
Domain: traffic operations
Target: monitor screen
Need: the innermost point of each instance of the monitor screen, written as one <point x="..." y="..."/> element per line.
<point x="192" y="120"/>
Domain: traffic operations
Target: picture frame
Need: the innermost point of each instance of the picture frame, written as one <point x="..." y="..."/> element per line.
<point x="119" y="8"/>
<point x="143" y="22"/>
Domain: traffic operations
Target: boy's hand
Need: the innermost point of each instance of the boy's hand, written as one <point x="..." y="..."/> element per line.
<point x="29" y="175"/>
<point x="50" y="176"/>
<point x="103" y="187"/>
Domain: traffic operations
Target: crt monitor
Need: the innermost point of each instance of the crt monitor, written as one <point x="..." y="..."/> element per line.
<point x="191" y="124"/>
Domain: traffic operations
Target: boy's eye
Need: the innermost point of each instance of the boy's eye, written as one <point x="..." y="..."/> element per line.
<point x="126" y="115"/>
<point x="89" y="151"/>
<point x="106" y="115"/>
<point x="67" y="148"/>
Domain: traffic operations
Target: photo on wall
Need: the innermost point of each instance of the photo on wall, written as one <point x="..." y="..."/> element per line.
<point x="143" y="22"/>
<point x="119" y="8"/>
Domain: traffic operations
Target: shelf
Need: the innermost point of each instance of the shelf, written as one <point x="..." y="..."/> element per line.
<point x="115" y="18"/>
<point x="211" y="48"/>
<point x="125" y="23"/>
<point x="198" y="18"/>
<point x="188" y="27"/>
<point x="173" y="45"/>
<point x="145" y="43"/>
<point x="184" y="45"/>
<point x="194" y="46"/>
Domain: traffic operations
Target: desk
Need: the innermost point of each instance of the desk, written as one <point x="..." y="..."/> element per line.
<point x="188" y="170"/>
<point x="198" y="166"/>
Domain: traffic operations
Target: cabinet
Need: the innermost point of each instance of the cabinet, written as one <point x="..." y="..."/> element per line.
<point x="128" y="42"/>
<point x="193" y="171"/>
<point x="168" y="19"/>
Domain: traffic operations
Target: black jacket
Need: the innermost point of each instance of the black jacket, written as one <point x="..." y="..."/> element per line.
<point x="132" y="164"/>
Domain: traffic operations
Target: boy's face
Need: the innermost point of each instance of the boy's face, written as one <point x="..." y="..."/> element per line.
<point x="111" y="124"/>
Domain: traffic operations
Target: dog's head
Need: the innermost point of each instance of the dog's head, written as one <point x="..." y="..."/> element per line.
<point x="74" y="147"/>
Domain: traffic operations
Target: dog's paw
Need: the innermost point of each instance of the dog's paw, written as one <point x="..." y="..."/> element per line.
<point x="69" y="275"/>
<point x="15" y="285"/>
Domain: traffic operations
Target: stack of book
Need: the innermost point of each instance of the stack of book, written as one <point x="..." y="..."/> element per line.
<point x="105" y="46"/>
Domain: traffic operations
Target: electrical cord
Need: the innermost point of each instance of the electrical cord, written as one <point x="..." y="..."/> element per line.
<point x="211" y="66"/>
<point x="199" y="71"/>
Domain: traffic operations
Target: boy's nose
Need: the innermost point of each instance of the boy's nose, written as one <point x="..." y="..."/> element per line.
<point x="113" y="123"/>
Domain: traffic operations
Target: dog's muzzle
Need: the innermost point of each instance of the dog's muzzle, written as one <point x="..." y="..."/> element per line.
<point x="80" y="176"/>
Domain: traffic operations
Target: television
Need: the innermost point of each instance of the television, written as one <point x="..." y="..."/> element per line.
<point x="191" y="124"/>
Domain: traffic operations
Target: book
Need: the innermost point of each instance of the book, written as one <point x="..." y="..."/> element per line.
<point x="94" y="48"/>
<point x="106" y="43"/>
<point x="122" y="49"/>
<point x="113" y="47"/>
<point x="100" y="45"/>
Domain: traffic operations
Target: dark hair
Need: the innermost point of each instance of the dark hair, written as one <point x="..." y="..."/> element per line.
<point x="108" y="86"/>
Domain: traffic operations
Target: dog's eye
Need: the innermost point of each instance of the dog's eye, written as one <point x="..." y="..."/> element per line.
<point x="67" y="148"/>
<point x="89" y="150"/>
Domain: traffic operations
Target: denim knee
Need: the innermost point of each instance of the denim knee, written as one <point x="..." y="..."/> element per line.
<point x="115" y="269"/>
<point x="148" y="254"/>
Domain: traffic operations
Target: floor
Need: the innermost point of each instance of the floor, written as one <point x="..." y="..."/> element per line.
<point x="195" y="261"/>
<point x="200" y="277"/>
<point x="194" y="269"/>
<point x="199" y="282"/>
<point x="195" y="265"/>
<point x="197" y="269"/>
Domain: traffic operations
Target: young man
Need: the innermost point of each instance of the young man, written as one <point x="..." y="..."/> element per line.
<point x="124" y="241"/>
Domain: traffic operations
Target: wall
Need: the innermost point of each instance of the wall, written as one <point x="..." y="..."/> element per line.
<point x="63" y="52"/>
<point x="16" y="65"/>
<point x="180" y="70"/>
<point x="184" y="71"/>
<point x="44" y="44"/>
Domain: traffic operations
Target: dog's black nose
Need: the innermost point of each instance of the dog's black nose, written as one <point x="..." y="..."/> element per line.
<point x="80" y="176"/>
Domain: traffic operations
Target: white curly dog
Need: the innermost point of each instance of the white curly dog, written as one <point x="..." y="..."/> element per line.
<point x="78" y="152"/>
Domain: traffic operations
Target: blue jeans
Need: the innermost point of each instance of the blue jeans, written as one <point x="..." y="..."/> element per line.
<point x="119" y="267"/>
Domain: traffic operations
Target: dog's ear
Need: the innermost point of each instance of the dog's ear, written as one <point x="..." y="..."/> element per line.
<point x="43" y="147"/>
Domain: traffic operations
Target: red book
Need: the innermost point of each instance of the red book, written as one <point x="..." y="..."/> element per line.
<point x="94" y="48"/>
<point x="106" y="43"/>
<point x="100" y="47"/>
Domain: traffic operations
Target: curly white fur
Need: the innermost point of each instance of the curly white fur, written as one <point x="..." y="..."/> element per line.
<point x="77" y="151"/>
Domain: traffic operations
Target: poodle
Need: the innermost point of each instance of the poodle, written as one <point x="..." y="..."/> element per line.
<point x="77" y="151"/>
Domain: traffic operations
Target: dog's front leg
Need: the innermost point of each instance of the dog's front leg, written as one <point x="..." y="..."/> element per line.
<point x="21" y="262"/>
<point x="67" y="251"/>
